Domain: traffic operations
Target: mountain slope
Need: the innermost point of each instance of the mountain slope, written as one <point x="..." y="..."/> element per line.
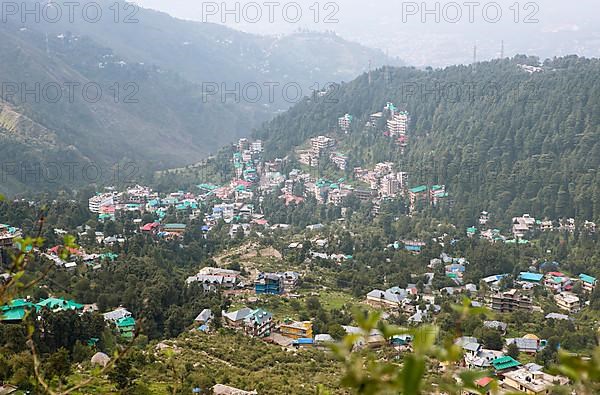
<point x="498" y="137"/>
<point x="152" y="110"/>
<point x="207" y="52"/>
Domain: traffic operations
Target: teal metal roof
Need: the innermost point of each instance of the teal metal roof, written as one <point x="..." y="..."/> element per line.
<point x="587" y="278"/>
<point x="421" y="188"/>
<point x="505" y="362"/>
<point x="528" y="276"/>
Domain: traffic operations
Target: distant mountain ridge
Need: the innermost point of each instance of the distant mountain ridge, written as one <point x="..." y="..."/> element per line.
<point x="152" y="110"/>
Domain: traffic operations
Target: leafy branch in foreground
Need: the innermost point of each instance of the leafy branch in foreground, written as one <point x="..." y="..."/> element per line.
<point x="432" y="365"/>
<point x="17" y="268"/>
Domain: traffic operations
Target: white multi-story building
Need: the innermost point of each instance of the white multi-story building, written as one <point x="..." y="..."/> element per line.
<point x="567" y="301"/>
<point x="398" y="124"/>
<point x="339" y="160"/>
<point x="102" y="200"/>
<point x="321" y="143"/>
<point x="345" y="122"/>
<point x="256" y="146"/>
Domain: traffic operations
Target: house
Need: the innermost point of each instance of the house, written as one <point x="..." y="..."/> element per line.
<point x="471" y="231"/>
<point x="303" y="342"/>
<point x="496" y="325"/>
<point x="557" y="282"/>
<point x="235" y="319"/>
<point x="502" y="364"/>
<point x="323" y="339"/>
<point x="483" y="386"/>
<point x="204" y="317"/>
<point x="297" y="330"/>
<point x="528" y="277"/>
<point x="530" y="344"/>
<point x="258" y="323"/>
<point x="374" y="339"/>
<point x="522" y="225"/>
<point x="290" y="280"/>
<point x="174" y="229"/>
<point x="588" y="282"/>
<point x="511" y="301"/>
<point x="557" y="316"/>
<point x="212" y="278"/>
<point x="567" y="301"/>
<point x="15" y="311"/>
<point x="393" y="297"/>
<point x="269" y="283"/>
<point x="116" y="314"/>
<point x="484" y="217"/>
<point x="126" y="327"/>
<point x="417" y="197"/>
<point x="58" y="304"/>
<point x="528" y="382"/>
<point x="475" y="356"/>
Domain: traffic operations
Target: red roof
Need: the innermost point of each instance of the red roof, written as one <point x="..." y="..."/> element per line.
<point x="556" y="274"/>
<point x="482" y="382"/>
<point x="72" y="251"/>
<point x="150" y="226"/>
<point x="242" y="182"/>
<point x="260" y="221"/>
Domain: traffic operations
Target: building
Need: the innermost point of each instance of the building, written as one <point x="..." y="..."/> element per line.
<point x="117" y="314"/>
<point x="522" y="225"/>
<point x="510" y="301"/>
<point x="269" y="283"/>
<point x="297" y="330"/>
<point x="567" y="301"/>
<point x="256" y="146"/>
<point x="345" y="122"/>
<point x="204" y="317"/>
<point x="484" y="217"/>
<point x="390" y="185"/>
<point x="320" y="144"/>
<point x="529" y="344"/>
<point x="392" y="297"/>
<point x="235" y="319"/>
<point x="588" y="282"/>
<point x="398" y="124"/>
<point x="364" y="195"/>
<point x="258" y="323"/>
<point x="417" y="197"/>
<point x="212" y="278"/>
<point x="528" y="277"/>
<point x="290" y="280"/>
<point x="528" y="382"/>
<point x="95" y="203"/>
<point x="339" y="160"/>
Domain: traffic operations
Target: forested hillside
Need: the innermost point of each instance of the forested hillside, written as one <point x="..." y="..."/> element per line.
<point x="144" y="101"/>
<point x="500" y="138"/>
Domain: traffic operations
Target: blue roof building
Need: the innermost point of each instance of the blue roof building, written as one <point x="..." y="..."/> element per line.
<point x="531" y="277"/>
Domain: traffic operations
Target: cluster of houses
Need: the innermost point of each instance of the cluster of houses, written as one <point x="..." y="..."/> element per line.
<point x="509" y="373"/>
<point x="393" y="123"/>
<point x="525" y="226"/>
<point x="17" y="309"/>
<point x="212" y="279"/>
<point x="521" y="226"/>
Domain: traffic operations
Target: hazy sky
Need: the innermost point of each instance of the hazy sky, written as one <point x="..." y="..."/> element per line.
<point x="446" y="34"/>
